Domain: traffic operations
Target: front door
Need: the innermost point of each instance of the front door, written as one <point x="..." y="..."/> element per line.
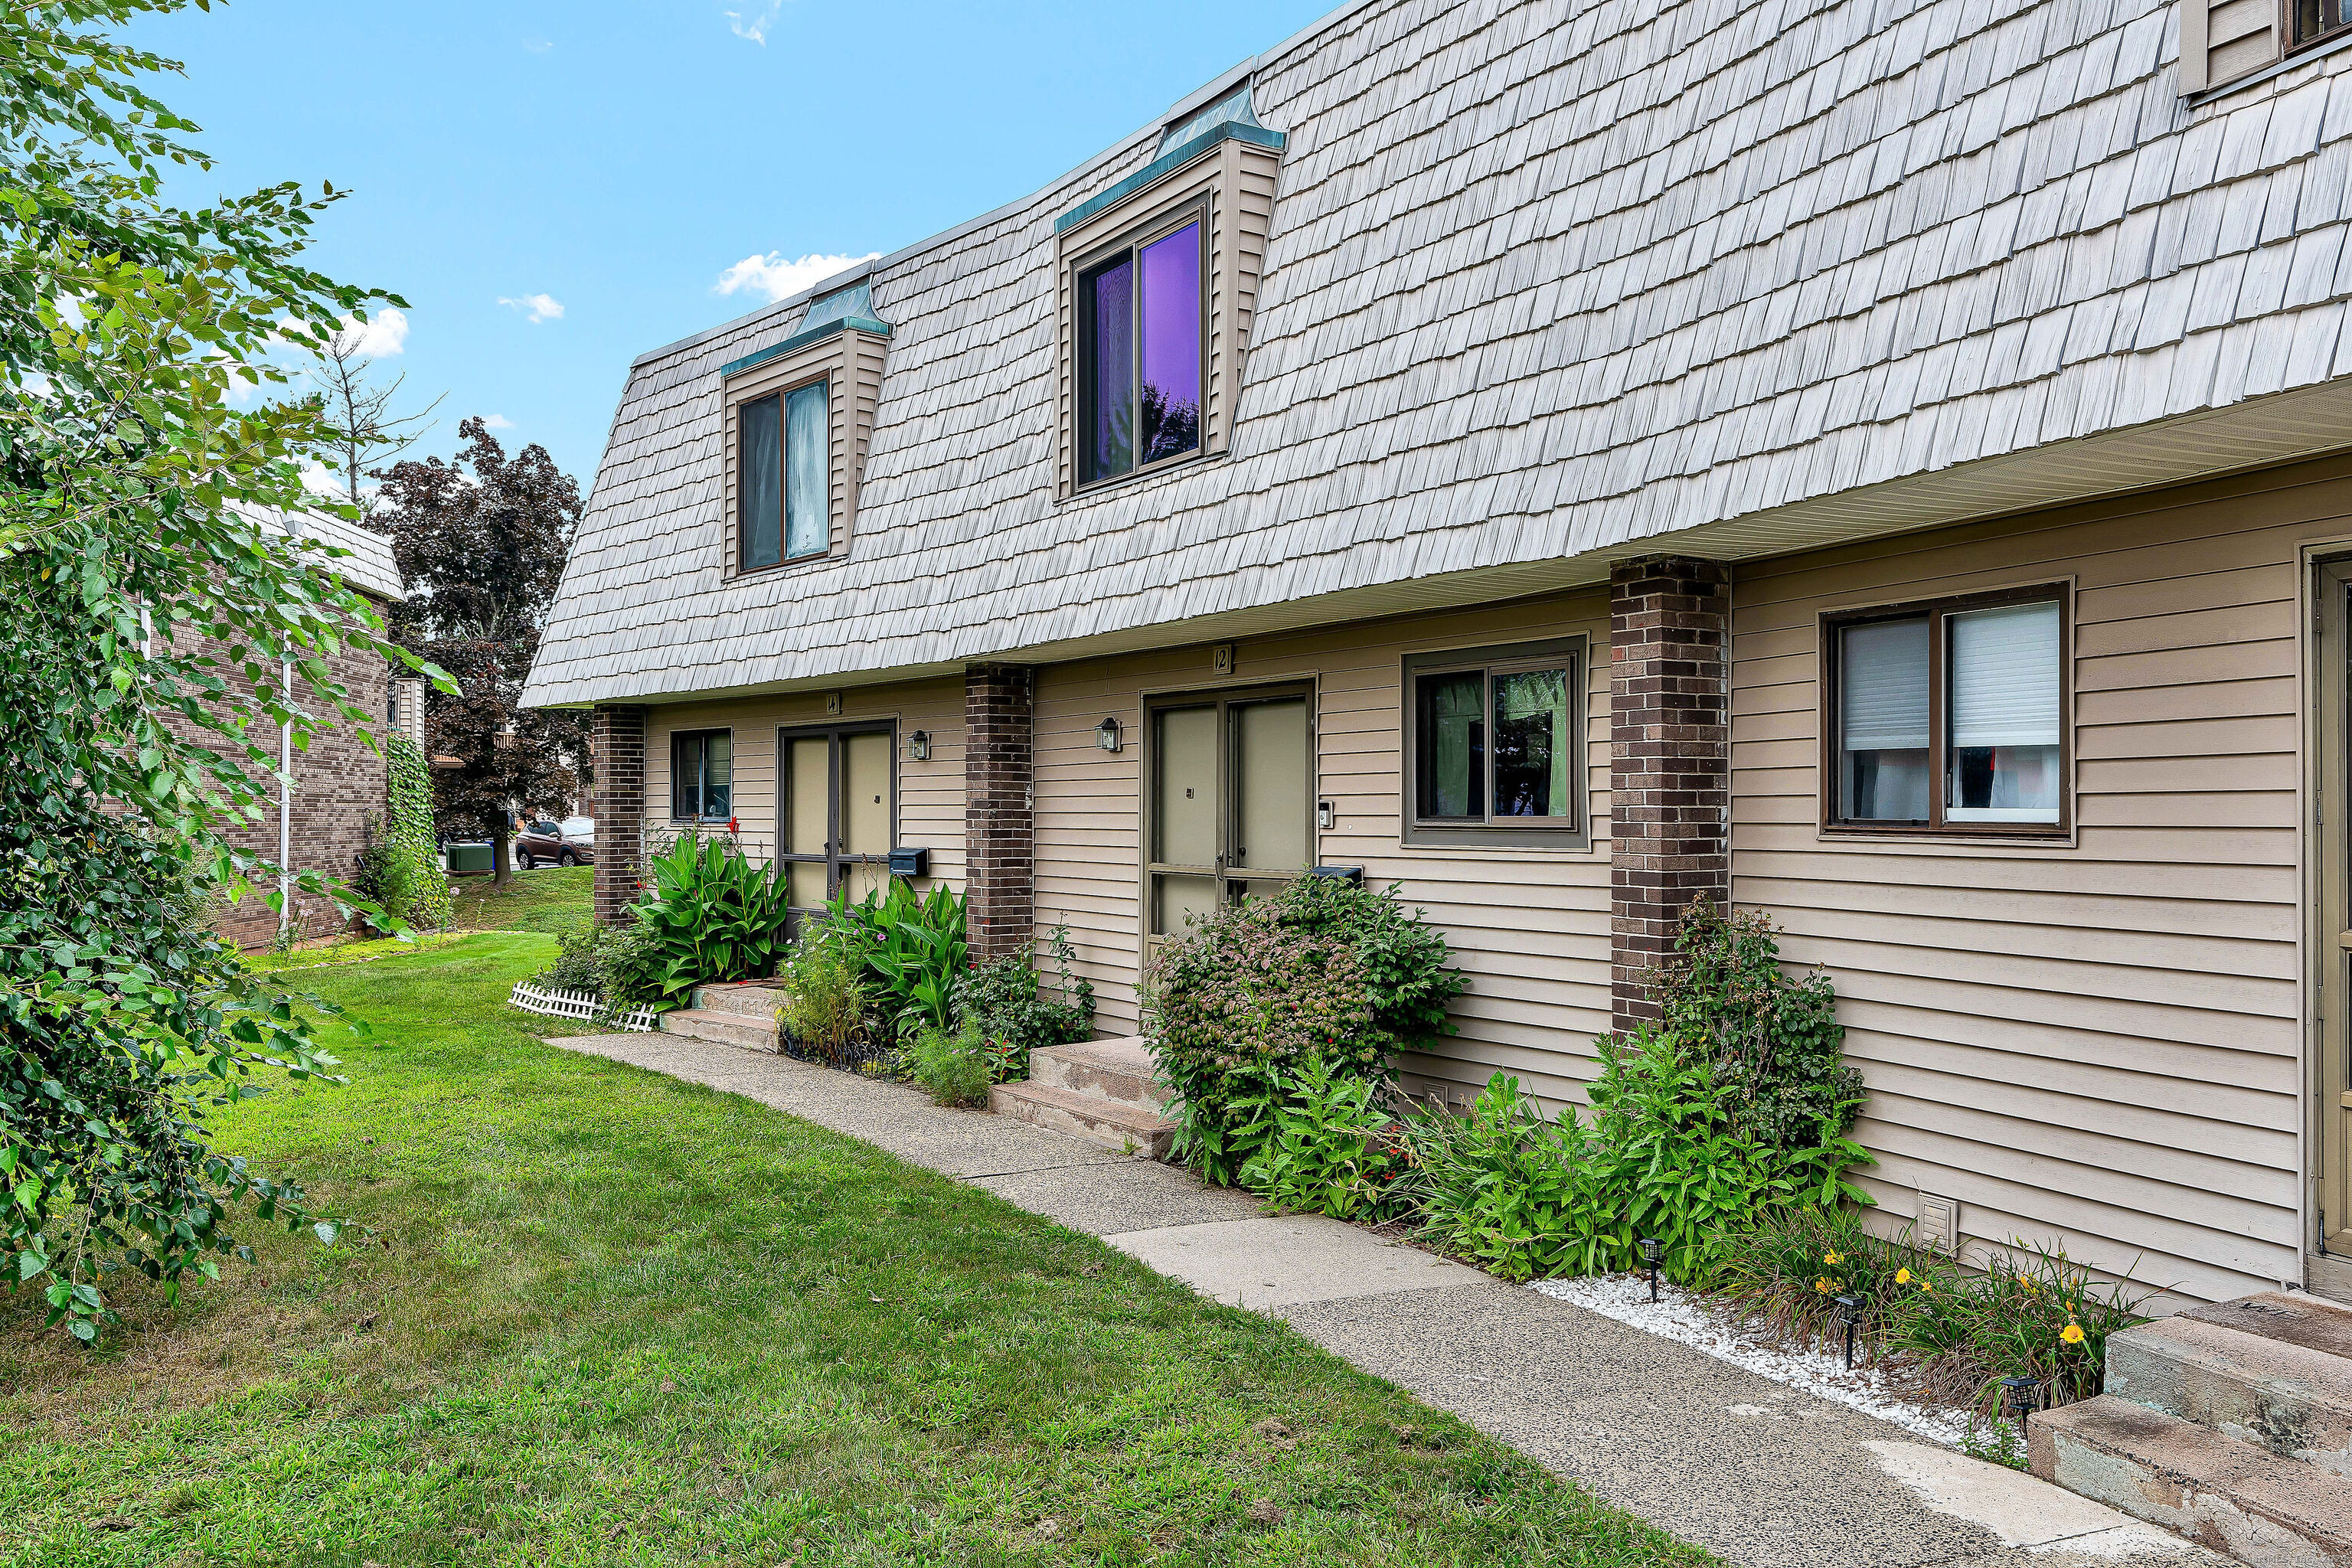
<point x="2332" y="1120"/>
<point x="833" y="803"/>
<point x="1229" y="800"/>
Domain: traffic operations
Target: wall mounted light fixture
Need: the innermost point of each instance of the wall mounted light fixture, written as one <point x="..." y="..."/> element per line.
<point x="918" y="745"/>
<point x="1106" y="734"/>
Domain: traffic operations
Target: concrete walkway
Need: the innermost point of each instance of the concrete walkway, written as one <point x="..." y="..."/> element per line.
<point x="1756" y="1472"/>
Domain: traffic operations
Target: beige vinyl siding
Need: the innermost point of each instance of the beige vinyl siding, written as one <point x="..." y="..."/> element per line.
<point x="930" y="794"/>
<point x="2095" y="1041"/>
<point x="1530" y="927"/>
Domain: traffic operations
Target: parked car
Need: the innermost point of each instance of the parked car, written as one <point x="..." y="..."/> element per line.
<point x="571" y="842"/>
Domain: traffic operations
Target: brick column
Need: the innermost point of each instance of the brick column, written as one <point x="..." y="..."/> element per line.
<point x="1669" y="759"/>
<point x="999" y="814"/>
<point x="620" y="756"/>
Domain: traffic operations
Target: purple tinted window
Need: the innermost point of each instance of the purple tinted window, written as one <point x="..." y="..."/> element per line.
<point x="1110" y="331"/>
<point x="1171" y="344"/>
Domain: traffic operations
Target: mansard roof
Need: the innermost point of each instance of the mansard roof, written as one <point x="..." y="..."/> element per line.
<point x="1547" y="284"/>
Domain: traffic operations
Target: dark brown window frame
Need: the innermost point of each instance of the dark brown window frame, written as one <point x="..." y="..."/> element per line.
<point x="1533" y="832"/>
<point x="1132" y="240"/>
<point x="2290" y="28"/>
<point x="784" y="562"/>
<point x="1937" y="610"/>
<point x="678" y="737"/>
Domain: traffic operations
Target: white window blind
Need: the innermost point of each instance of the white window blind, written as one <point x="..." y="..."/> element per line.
<point x="2005" y="677"/>
<point x="1883" y="675"/>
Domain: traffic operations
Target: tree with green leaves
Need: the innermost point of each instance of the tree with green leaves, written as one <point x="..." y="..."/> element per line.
<point x="153" y="638"/>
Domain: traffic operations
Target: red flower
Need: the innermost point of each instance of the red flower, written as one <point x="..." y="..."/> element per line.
<point x="732" y="826"/>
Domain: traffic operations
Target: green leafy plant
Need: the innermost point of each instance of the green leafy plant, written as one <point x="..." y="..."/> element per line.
<point x="621" y="963"/>
<point x="952" y="1064"/>
<point x="910" y="947"/>
<point x="1006" y="998"/>
<point x="1321" y="1145"/>
<point x="714" y="914"/>
<point x="155" y="641"/>
<point x="1254" y="991"/>
<point x="823" y="1013"/>
<point x="1515" y="1191"/>
<point x="1773" y="1041"/>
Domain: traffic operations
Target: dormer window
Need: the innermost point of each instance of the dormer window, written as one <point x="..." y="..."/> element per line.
<point x="799" y="414"/>
<point x="786" y="477"/>
<point x="1142" y="326"/>
<point x="1159" y="281"/>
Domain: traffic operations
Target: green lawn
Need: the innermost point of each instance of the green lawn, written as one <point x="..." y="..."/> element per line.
<point x="608" y="1318"/>
<point x="557" y="898"/>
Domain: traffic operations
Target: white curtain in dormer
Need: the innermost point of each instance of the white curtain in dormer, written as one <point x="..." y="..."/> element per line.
<point x="1883" y="674"/>
<point x="2005" y="677"/>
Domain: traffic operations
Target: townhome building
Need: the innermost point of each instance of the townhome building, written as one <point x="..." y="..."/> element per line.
<point x="1886" y="463"/>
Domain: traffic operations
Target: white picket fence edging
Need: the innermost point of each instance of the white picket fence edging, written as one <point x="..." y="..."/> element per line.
<point x="578" y="1004"/>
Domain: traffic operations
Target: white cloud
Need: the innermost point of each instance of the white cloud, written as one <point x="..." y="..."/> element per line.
<point x="497" y="422"/>
<point x="754" y="24"/>
<point x="536" y="307"/>
<point x="539" y="45"/>
<point x="773" y="275"/>
<point x="386" y="333"/>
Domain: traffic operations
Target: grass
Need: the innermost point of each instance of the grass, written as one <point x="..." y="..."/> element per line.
<point x="604" y="1316"/>
<point x="557" y="900"/>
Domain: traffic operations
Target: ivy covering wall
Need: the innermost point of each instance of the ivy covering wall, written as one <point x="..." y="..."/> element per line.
<point x="415" y="889"/>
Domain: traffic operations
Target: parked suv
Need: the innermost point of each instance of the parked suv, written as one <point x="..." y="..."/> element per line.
<point x="571" y="842"/>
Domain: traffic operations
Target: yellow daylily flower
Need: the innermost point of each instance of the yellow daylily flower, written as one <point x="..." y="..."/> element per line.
<point x="2072" y="1333"/>
<point x="1902" y="1277"/>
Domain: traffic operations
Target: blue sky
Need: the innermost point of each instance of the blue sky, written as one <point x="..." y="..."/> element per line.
<point x="620" y="161"/>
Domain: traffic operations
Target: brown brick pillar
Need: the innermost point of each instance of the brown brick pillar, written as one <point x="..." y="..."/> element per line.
<point x="999" y="816"/>
<point x="1669" y="759"/>
<point x="620" y="743"/>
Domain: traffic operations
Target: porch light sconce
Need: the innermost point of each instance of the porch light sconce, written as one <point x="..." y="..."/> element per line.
<point x="1850" y="1315"/>
<point x="1106" y="735"/>
<point x="1650" y="1251"/>
<point x="918" y="745"/>
<point x="2019" y="1397"/>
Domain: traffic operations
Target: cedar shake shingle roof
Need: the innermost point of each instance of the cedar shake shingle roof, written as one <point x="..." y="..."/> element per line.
<point x="1547" y="283"/>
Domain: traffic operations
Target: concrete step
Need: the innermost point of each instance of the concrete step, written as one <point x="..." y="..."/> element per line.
<point x="2288" y="1398"/>
<point x="2264" y="1510"/>
<point x="723" y="1028"/>
<point x="752" y="998"/>
<point x="1109" y="1123"/>
<point x="1118" y="1070"/>
<point x="2297" y="1319"/>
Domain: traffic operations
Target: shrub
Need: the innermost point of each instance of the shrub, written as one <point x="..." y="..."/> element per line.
<point x="1681" y="1165"/>
<point x="1512" y="1190"/>
<point x="1005" y="999"/>
<point x="1775" y="1042"/>
<point x="1662" y="1157"/>
<point x="910" y="952"/>
<point x="1791" y="1263"/>
<point x="952" y="1066"/>
<point x="1241" y="1004"/>
<point x="823" y="1013"/>
<point x="621" y="963"/>
<point x="714" y="915"/>
<point x="1321" y="1145"/>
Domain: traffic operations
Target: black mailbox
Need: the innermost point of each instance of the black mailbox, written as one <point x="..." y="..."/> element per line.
<point x="910" y="862"/>
<point x="1351" y="875"/>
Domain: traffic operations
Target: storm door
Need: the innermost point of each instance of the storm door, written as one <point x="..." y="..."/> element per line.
<point x="1229" y="800"/>
<point x="2332" y="1081"/>
<point x="836" y="800"/>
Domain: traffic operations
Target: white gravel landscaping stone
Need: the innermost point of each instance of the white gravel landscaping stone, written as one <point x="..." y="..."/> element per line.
<point x="1690" y="1319"/>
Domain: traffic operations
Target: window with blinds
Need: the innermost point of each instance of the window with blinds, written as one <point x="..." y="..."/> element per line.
<point x="1948" y="716"/>
<point x="1495" y="745"/>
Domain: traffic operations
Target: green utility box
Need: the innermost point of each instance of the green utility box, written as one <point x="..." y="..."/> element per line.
<point x="469" y="859"/>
